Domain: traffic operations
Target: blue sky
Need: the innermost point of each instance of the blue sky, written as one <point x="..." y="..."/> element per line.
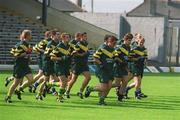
<point x="117" y="6"/>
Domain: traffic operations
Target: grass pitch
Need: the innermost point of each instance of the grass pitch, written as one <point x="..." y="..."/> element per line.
<point x="163" y="103"/>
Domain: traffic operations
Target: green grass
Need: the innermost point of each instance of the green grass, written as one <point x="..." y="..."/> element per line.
<point x="163" y="103"/>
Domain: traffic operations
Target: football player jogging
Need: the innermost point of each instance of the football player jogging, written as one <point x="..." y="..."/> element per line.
<point x="134" y="44"/>
<point x="21" y="52"/>
<point x="139" y="57"/>
<point x="72" y="44"/>
<point x="39" y="49"/>
<point x="103" y="58"/>
<point x="62" y="57"/>
<point x="80" y="65"/>
<point x="121" y="66"/>
<point x="48" y="65"/>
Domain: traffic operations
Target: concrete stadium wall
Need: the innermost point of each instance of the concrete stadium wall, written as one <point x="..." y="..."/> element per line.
<point x="153" y="29"/>
<point x="57" y="19"/>
<point x="158" y="8"/>
<point x="72" y="25"/>
<point x="108" y="21"/>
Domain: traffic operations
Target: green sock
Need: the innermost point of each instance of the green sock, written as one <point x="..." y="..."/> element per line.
<point x="56" y="84"/>
<point x="61" y="91"/>
<point x="91" y="88"/>
<point x="101" y="99"/>
<point x="20" y="89"/>
<point x="39" y="94"/>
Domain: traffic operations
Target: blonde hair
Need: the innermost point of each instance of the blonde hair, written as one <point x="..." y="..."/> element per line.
<point x="63" y="34"/>
<point x="24" y="34"/>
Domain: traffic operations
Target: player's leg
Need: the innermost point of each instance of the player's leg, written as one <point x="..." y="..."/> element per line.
<point x="141" y="93"/>
<point x="109" y="87"/>
<point x="53" y="82"/>
<point x="120" y="89"/>
<point x="116" y="82"/>
<point x="8" y="80"/>
<point x="37" y="83"/>
<point x="12" y="89"/>
<point x="36" y="77"/>
<point x="42" y="88"/>
<point x="63" y="79"/>
<point x="87" y="78"/>
<point x="130" y="77"/>
<point x="137" y="86"/>
<point x="70" y="84"/>
<point x="28" y="82"/>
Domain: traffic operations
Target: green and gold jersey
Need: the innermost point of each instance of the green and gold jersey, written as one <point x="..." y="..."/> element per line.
<point x="134" y="44"/>
<point x="72" y="44"/>
<point x="82" y="48"/>
<point x="41" y="46"/>
<point x="122" y="53"/>
<point x="19" y="49"/>
<point x="119" y="43"/>
<point x="49" y="48"/>
<point x="63" y="51"/>
<point x="105" y="54"/>
<point x="140" y="55"/>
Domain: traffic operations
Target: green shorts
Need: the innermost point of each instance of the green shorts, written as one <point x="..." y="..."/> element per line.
<point x="77" y="69"/>
<point x="120" y="70"/>
<point x="138" y="70"/>
<point x="62" y="70"/>
<point x="105" y="75"/>
<point x="130" y="64"/>
<point x="20" y="71"/>
<point x="40" y="62"/>
<point x="48" y="68"/>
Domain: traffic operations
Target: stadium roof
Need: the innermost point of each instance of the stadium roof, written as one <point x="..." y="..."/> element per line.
<point x="169" y="8"/>
<point x="65" y="5"/>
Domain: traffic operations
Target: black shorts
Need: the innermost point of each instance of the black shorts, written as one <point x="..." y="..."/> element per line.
<point x="120" y="71"/>
<point x="21" y="71"/>
<point x="48" y="68"/>
<point x="138" y="70"/>
<point x="104" y="75"/>
<point x="77" y="69"/>
<point x="62" y="70"/>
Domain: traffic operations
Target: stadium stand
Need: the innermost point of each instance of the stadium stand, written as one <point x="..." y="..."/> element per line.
<point x="11" y="25"/>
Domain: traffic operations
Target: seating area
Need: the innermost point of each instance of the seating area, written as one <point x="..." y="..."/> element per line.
<point x="11" y="26"/>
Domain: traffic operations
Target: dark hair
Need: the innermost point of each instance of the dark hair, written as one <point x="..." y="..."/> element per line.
<point x="84" y="33"/>
<point x="128" y="36"/>
<point x="106" y="37"/>
<point x="112" y="37"/>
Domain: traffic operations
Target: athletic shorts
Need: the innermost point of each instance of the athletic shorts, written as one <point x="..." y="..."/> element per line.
<point x="40" y="62"/>
<point x="105" y="74"/>
<point x="48" y="68"/>
<point x="137" y="70"/>
<point x="120" y="70"/>
<point x="62" y="70"/>
<point x="19" y="71"/>
<point x="77" y="69"/>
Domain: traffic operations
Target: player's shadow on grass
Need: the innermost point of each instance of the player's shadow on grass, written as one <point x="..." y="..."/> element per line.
<point x="160" y="102"/>
<point x="168" y="103"/>
<point x="44" y="105"/>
